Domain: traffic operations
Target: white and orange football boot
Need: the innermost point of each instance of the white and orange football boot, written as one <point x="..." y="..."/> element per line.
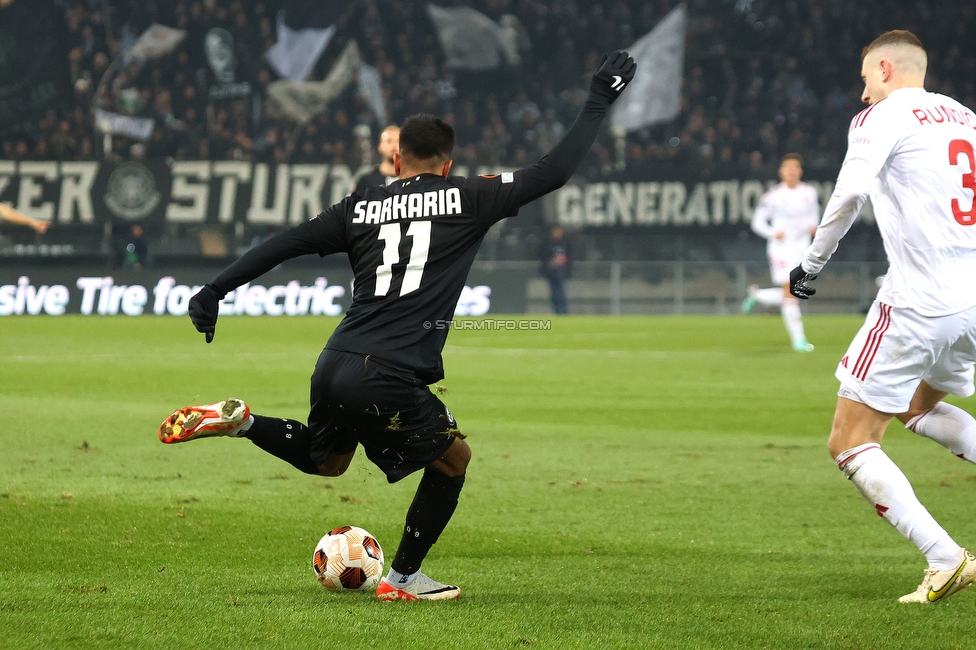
<point x="420" y="588"/>
<point x="219" y="419"/>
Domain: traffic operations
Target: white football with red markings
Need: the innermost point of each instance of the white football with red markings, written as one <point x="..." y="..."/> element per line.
<point x="348" y="558"/>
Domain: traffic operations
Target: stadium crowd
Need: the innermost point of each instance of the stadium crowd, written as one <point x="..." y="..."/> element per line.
<point x="761" y="78"/>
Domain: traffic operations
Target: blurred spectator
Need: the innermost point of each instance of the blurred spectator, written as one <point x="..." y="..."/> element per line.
<point x="384" y="173"/>
<point x="134" y="252"/>
<point x="759" y="77"/>
<point x="555" y="268"/>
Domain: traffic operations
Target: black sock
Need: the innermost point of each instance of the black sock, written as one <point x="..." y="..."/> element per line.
<point x="432" y="507"/>
<point x="289" y="440"/>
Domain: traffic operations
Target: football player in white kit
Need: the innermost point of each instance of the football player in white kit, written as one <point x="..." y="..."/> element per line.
<point x="787" y="217"/>
<point x="914" y="153"/>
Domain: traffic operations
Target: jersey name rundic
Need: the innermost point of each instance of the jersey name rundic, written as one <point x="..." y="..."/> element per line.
<point x="940" y="114"/>
<point x="409" y="206"/>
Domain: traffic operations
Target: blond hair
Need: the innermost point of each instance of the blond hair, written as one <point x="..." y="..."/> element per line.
<point x="905" y="51"/>
<point x="894" y="37"/>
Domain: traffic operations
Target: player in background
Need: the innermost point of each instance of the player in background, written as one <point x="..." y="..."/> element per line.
<point x="411" y="245"/>
<point x="384" y="173"/>
<point x="914" y="153"/>
<point x="13" y="216"/>
<point x="787" y="217"/>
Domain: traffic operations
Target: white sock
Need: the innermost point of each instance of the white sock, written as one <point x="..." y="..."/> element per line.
<point x="398" y="579"/>
<point x="950" y="426"/>
<point x="769" y="297"/>
<point x="244" y="427"/>
<point x="884" y="486"/>
<point x="793" y="319"/>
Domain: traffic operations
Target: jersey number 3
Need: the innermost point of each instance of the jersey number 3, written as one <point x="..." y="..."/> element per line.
<point x="419" y="231"/>
<point x="964" y="148"/>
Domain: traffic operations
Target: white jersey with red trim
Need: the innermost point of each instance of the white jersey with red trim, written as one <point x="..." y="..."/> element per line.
<point x="915" y="153"/>
<point x="792" y="212"/>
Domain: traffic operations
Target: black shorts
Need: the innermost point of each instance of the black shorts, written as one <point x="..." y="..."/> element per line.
<point x="357" y="399"/>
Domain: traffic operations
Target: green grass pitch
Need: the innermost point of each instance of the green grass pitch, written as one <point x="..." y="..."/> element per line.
<point x="636" y="482"/>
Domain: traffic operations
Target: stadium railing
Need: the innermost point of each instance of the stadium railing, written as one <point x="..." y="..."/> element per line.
<point x="683" y="287"/>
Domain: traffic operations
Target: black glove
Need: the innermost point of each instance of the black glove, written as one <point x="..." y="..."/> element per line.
<point x="615" y="72"/>
<point x="203" y="309"/>
<point x="798" y="283"/>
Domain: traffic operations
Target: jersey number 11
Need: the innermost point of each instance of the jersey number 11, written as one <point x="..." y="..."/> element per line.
<point x="419" y="231"/>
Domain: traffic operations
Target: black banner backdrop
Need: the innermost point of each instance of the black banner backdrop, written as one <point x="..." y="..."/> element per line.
<point x="261" y="194"/>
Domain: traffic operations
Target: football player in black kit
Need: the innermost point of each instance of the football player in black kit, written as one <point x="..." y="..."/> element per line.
<point x="410" y="244"/>
<point x="385" y="172"/>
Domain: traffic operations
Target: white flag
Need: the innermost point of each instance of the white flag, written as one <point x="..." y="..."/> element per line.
<point x="371" y="90"/>
<point x="140" y="128"/>
<point x="158" y="40"/>
<point x="298" y="50"/>
<point x="472" y="40"/>
<point x="302" y="100"/>
<point x="655" y="93"/>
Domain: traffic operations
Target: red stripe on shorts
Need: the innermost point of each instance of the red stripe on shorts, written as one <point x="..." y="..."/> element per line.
<point x="871" y="346"/>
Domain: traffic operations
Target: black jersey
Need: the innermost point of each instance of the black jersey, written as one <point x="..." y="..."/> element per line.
<point x="411" y="245"/>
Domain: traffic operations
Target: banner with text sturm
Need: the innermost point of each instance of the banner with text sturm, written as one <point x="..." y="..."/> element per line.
<point x="281" y="195"/>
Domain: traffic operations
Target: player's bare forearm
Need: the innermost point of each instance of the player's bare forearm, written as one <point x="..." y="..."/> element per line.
<point x="9" y="214"/>
<point x="13" y="216"/>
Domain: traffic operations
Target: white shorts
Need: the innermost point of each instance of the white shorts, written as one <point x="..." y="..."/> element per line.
<point x="783" y="258"/>
<point x="897" y="348"/>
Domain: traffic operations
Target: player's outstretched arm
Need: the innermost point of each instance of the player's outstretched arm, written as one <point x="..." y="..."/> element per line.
<point x="13" y="216"/>
<point x="557" y="167"/>
<point x="325" y="234"/>
<point x="761" y="220"/>
<point x="854" y="183"/>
